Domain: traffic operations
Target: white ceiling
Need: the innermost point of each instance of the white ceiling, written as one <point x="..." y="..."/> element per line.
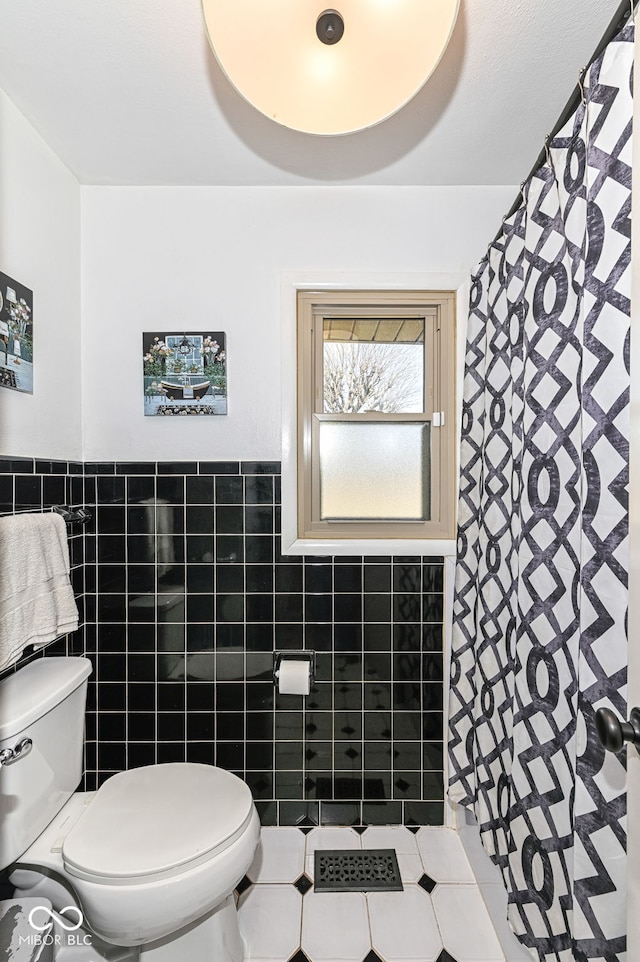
<point x="128" y="92"/>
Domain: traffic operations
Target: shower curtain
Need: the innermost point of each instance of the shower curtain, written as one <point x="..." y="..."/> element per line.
<point x="539" y="638"/>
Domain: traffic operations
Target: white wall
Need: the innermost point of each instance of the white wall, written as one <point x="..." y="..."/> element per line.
<point x="211" y="259"/>
<point x="146" y="259"/>
<point x="40" y="248"/>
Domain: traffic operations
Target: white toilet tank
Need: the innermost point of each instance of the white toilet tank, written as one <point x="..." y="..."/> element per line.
<point x="44" y="701"/>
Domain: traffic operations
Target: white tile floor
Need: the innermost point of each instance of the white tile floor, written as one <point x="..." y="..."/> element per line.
<point x="439" y="917"/>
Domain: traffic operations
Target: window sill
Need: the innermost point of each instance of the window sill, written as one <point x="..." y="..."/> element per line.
<point x="368" y="546"/>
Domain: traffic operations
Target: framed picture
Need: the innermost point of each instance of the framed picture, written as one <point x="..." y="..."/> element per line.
<point x="185" y="374"/>
<point x="16" y="335"/>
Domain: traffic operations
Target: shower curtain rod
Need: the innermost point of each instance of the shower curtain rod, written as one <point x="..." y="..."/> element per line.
<point x="621" y="16"/>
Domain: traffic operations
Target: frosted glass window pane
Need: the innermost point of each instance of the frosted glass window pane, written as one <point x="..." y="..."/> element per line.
<point x="372" y="471"/>
<point x="373" y="364"/>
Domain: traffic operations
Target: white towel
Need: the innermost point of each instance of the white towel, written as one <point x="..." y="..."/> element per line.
<point x="36" y="598"/>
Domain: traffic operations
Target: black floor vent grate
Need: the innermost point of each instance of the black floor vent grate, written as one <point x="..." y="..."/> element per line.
<point x="347" y="870"/>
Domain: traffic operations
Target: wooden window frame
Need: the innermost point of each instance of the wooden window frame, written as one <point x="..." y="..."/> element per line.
<point x="438" y="309"/>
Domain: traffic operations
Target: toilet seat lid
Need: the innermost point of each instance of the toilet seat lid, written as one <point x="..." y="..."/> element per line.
<point x="155" y="820"/>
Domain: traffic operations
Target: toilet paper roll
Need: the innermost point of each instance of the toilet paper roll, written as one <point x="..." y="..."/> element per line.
<point x="294" y="677"/>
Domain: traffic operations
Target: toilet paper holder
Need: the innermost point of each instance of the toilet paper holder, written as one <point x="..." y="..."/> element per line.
<point x="280" y="656"/>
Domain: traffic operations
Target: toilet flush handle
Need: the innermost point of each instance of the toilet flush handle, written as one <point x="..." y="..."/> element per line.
<point x="8" y="755"/>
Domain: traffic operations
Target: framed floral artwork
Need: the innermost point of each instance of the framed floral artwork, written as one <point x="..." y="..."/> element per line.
<point x="185" y="374"/>
<point x="16" y="335"/>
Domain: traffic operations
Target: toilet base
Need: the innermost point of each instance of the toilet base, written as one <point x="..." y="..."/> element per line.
<point x="78" y="946"/>
<point x="94" y="951"/>
<point x="215" y="938"/>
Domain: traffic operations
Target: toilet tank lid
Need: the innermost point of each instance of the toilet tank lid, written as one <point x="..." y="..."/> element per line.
<point x="34" y="690"/>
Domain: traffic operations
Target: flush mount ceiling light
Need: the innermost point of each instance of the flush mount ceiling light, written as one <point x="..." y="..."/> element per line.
<point x="324" y="70"/>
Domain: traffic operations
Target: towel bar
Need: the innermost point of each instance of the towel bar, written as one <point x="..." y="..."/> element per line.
<point x="79" y="516"/>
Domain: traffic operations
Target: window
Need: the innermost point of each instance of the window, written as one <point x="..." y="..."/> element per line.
<point x="376" y="414"/>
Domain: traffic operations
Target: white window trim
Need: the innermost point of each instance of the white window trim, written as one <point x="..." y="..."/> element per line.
<point x="291" y="283"/>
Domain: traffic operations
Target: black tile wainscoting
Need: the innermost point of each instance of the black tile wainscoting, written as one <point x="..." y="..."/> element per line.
<point x="186" y="597"/>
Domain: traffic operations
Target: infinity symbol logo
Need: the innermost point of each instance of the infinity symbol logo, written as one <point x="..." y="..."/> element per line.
<point x="68" y="908"/>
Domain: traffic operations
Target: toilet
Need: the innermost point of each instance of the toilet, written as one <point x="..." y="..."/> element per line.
<point x="150" y="860"/>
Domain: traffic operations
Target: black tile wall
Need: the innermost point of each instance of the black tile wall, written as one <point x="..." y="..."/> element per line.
<point x="186" y="597"/>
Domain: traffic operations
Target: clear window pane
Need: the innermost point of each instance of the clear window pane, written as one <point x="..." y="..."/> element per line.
<point x="374" y="471"/>
<point x="373" y="364"/>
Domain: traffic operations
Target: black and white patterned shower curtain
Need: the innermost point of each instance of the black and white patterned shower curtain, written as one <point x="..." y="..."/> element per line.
<point x="539" y="637"/>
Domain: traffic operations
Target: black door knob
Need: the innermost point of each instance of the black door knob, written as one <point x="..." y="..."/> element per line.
<point x="613" y="733"/>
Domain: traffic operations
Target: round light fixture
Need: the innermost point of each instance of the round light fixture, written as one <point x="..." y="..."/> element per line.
<point x="324" y="70"/>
